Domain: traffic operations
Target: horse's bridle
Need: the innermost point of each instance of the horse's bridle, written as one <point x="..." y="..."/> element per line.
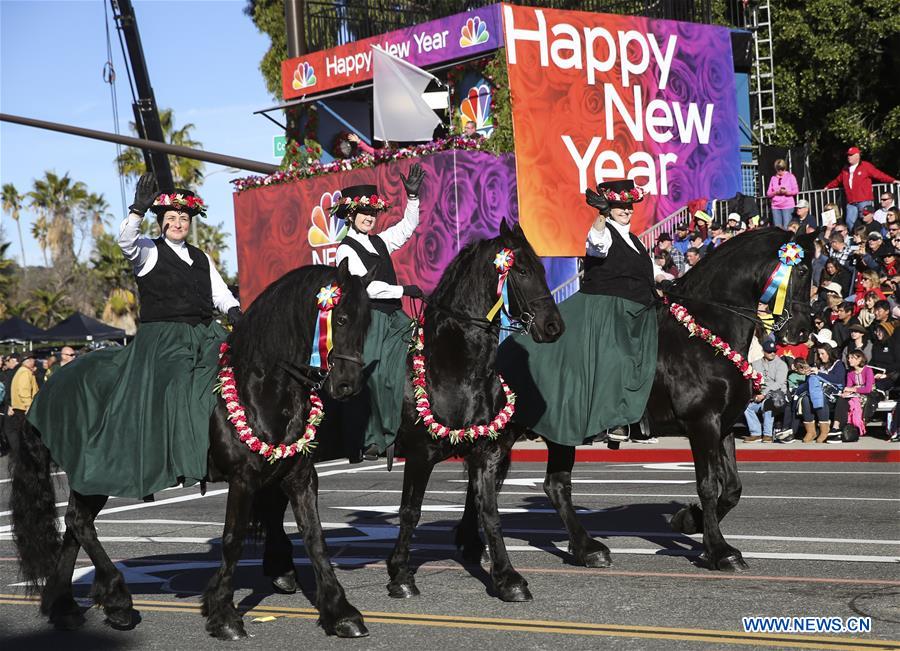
<point x="528" y="314"/>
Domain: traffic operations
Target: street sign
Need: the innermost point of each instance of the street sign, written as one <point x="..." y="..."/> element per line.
<point x="279" y="144"/>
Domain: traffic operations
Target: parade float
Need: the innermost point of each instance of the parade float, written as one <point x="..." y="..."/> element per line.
<point x="561" y="100"/>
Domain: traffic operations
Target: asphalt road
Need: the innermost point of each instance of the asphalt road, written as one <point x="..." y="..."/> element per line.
<point x="821" y="540"/>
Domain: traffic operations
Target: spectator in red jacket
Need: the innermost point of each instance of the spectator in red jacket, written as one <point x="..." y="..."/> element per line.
<point x="856" y="179"/>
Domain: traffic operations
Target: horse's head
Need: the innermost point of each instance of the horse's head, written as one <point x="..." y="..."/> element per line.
<point x="530" y="300"/>
<point x="350" y="321"/>
<point x="795" y="324"/>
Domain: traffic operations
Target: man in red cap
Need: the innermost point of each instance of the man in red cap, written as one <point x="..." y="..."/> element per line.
<point x="856" y="179"/>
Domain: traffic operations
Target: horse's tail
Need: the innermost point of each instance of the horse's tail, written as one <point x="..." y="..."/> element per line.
<point x="33" y="504"/>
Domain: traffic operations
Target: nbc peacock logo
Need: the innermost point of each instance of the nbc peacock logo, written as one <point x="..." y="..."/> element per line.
<point x="326" y="230"/>
<point x="474" y="32"/>
<point x="304" y="76"/>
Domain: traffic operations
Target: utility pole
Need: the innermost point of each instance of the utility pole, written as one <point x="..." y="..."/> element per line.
<point x="146" y="113"/>
<point x="294" y="24"/>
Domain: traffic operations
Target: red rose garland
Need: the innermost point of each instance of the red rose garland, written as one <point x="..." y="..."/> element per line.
<point x="423" y="405"/>
<point x="237" y="416"/>
<point x="684" y="318"/>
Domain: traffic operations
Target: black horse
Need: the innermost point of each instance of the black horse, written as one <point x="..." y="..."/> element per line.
<point x="696" y="392"/>
<point x="464" y="389"/>
<point x="269" y="351"/>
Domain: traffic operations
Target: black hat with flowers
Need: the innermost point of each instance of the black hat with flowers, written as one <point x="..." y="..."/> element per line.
<point x="620" y="194"/>
<point x="362" y="199"/>
<point x="179" y="199"/>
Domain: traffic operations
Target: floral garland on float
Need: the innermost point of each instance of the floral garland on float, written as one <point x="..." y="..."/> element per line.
<point x="684" y="317"/>
<point x="297" y="172"/>
<point x="327" y="298"/>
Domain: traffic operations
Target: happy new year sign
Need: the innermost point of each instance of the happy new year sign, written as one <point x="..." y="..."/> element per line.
<point x="437" y="41"/>
<point x="601" y="97"/>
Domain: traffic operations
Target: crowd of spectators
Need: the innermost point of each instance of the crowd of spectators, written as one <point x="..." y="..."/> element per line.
<point x="823" y="390"/>
<point x="21" y="377"/>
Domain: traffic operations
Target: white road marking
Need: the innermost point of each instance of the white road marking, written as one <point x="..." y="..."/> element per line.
<point x="523" y="481"/>
<point x="693" y="496"/>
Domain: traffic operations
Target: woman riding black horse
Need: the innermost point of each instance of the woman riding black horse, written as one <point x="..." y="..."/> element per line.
<point x="455" y="404"/>
<point x="261" y="431"/>
<point x="145" y="408"/>
<point x="701" y="384"/>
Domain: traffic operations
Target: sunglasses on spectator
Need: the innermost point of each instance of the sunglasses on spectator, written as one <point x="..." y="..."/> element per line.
<point x="886" y="198"/>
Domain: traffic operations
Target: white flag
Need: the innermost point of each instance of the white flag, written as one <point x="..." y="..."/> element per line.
<point x="401" y="110"/>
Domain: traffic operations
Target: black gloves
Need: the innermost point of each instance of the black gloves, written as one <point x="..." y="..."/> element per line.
<point x="597" y="201"/>
<point x="235" y="315"/>
<point x="413" y="182"/>
<point x="413" y="291"/>
<point x="144" y="194"/>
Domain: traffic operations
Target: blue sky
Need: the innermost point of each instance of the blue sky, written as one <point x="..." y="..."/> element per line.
<point x="203" y="58"/>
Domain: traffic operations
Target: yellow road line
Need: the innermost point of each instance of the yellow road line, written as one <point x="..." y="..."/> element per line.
<point x="534" y="626"/>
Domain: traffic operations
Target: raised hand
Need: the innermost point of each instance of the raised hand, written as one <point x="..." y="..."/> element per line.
<point x="597" y="201"/>
<point x="413" y="182"/>
<point x="144" y="194"/>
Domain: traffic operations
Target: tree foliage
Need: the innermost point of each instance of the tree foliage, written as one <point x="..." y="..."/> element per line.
<point x="187" y="173"/>
<point x="836" y="81"/>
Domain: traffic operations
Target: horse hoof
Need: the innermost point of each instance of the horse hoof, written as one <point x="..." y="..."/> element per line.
<point x="229" y="632"/>
<point x="123" y="619"/>
<point x="515" y="594"/>
<point x="600" y="558"/>
<point x="285" y="584"/>
<point x="685" y="521"/>
<point x="732" y="563"/>
<point x="351" y="628"/>
<point x="68" y="621"/>
<point x="403" y="590"/>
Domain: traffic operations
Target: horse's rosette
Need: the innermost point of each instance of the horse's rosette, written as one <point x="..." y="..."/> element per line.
<point x="696" y="330"/>
<point x="227" y="388"/>
<point x="789" y="256"/>
<point x="327" y="299"/>
<point x="503" y="262"/>
<point x="423" y="404"/>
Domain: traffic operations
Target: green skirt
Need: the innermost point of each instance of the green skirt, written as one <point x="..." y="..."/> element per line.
<point x="597" y="376"/>
<point x="377" y="409"/>
<point x="131" y="421"/>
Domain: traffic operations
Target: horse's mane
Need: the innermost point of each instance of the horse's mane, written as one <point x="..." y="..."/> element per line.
<point x="465" y="271"/>
<point x="735" y="259"/>
<point x="279" y="324"/>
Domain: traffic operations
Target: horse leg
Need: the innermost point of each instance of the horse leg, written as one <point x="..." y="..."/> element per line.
<point x="109" y="589"/>
<point x="57" y="601"/>
<point x="558" y="488"/>
<point x="416" y="473"/>
<point x="336" y="615"/>
<point x="278" y="556"/>
<point x="706" y="447"/>
<point x="467" y="538"/>
<point x="484" y="477"/>
<point x="729" y="479"/>
<point x="222" y="618"/>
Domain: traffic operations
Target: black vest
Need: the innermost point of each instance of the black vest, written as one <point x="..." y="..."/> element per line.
<point x="384" y="269"/>
<point x="624" y="272"/>
<point x="175" y="290"/>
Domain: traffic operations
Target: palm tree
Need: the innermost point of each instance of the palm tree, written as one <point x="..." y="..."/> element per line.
<point x="12" y="203"/>
<point x="109" y="262"/>
<point x="55" y="198"/>
<point x="46" y="307"/>
<point x="211" y="240"/>
<point x="93" y="211"/>
<point x="186" y="172"/>
<point x="7" y="267"/>
<point x="40" y="228"/>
